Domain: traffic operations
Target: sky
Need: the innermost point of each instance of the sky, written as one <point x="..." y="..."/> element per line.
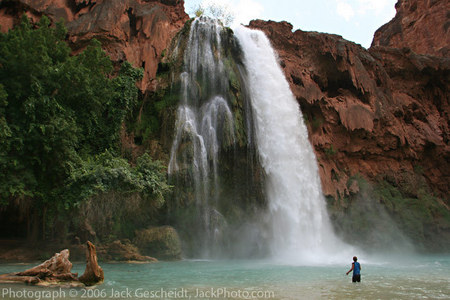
<point x="355" y="20"/>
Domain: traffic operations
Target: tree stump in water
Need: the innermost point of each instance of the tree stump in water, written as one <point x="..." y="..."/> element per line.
<point x="57" y="271"/>
<point x="93" y="274"/>
<point x="59" y="264"/>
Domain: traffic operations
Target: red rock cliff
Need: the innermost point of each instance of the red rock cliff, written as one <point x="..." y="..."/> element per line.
<point x="134" y="30"/>
<point x="420" y="25"/>
<point x="370" y="112"/>
<point x="377" y="113"/>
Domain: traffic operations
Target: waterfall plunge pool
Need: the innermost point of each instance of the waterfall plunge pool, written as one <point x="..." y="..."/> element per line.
<point x="384" y="278"/>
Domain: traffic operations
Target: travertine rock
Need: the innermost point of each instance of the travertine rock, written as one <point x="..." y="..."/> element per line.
<point x="420" y="25"/>
<point x="134" y="30"/>
<point x="376" y="112"/>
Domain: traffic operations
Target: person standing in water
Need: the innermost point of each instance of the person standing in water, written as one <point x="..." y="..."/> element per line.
<point x="356" y="268"/>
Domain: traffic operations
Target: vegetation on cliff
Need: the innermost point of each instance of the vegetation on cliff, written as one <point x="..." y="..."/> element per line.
<point x="392" y="213"/>
<point x="60" y="119"/>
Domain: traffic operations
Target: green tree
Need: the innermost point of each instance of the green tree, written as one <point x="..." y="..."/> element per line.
<point x="57" y="112"/>
<point x="106" y="172"/>
<point x="215" y="10"/>
<point x="114" y="197"/>
<point x="36" y="127"/>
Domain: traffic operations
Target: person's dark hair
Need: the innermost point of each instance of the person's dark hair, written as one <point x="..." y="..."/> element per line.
<point x="355" y="258"/>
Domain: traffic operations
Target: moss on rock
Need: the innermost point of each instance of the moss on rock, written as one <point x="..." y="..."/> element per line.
<point x="122" y="250"/>
<point x="392" y="211"/>
<point x="160" y="242"/>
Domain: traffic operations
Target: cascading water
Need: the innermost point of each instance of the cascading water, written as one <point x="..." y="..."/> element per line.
<point x="204" y="125"/>
<point x="301" y="230"/>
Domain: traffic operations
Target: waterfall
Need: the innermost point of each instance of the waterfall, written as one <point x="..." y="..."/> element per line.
<point x="204" y="125"/>
<point x="245" y="175"/>
<point x="301" y="230"/>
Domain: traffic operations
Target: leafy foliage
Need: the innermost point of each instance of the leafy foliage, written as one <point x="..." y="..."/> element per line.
<point x="114" y="197"/>
<point x="60" y="119"/>
<point x="106" y="172"/>
<point x="35" y="127"/>
<point x="215" y="10"/>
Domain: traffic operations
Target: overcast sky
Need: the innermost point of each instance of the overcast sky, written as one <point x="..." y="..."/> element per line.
<point x="355" y="20"/>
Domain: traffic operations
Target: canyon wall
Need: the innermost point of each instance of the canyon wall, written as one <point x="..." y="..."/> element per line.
<point x="137" y="31"/>
<point x="378" y="119"/>
<point x="377" y="111"/>
<point x="370" y="112"/>
<point x="422" y="26"/>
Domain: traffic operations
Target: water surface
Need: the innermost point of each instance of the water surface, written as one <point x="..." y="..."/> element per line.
<point x="426" y="277"/>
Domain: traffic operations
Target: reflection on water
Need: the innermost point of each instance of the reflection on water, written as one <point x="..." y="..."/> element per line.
<point x="422" y="277"/>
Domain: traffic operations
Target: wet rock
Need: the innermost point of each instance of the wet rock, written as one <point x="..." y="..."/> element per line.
<point x="124" y="251"/>
<point x="161" y="242"/>
<point x="58" y="264"/>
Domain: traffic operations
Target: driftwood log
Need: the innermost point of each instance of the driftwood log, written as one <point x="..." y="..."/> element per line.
<point x="93" y="274"/>
<point x="57" y="271"/>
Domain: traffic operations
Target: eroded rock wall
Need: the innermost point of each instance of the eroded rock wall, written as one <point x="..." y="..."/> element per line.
<point x="369" y="112"/>
<point x="137" y="31"/>
<point x="420" y="25"/>
<point x="379" y="123"/>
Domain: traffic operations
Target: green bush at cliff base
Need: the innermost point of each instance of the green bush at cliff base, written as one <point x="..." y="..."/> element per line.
<point x="60" y="119"/>
<point x="114" y="197"/>
<point x="106" y="172"/>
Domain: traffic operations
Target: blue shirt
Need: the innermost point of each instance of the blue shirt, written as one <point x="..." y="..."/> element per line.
<point x="356" y="268"/>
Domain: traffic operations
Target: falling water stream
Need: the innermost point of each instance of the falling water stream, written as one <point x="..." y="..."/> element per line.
<point x="297" y="212"/>
<point x="204" y="123"/>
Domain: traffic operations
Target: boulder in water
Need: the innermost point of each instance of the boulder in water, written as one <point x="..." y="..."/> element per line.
<point x="58" y="264"/>
<point x="124" y="250"/>
<point x="161" y="242"/>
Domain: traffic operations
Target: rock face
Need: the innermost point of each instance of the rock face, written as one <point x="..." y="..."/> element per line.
<point x="380" y="115"/>
<point x="420" y="25"/>
<point x="134" y="30"/>
<point x="382" y="111"/>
